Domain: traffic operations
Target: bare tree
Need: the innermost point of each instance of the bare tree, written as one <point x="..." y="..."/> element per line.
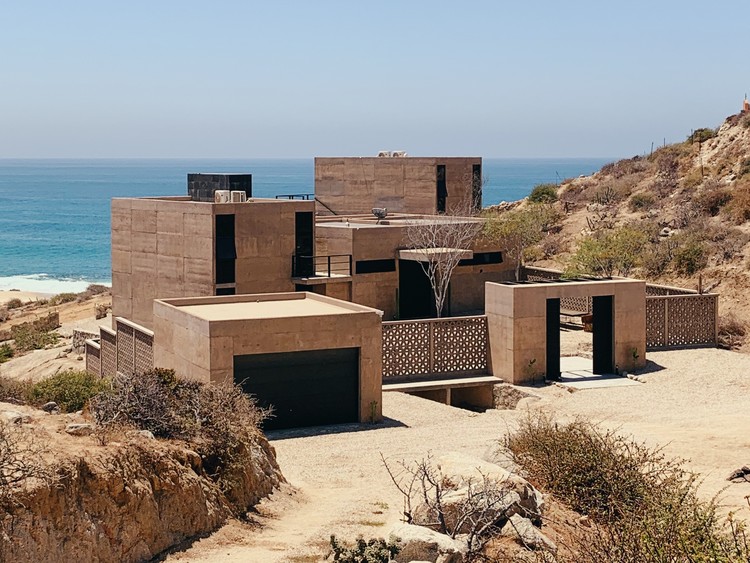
<point x="440" y="243"/>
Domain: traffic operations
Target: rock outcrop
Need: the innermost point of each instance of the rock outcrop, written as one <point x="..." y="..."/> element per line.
<point x="128" y="502"/>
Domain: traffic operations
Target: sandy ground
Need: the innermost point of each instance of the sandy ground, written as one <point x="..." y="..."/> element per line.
<point x="25" y="296"/>
<point x="694" y="403"/>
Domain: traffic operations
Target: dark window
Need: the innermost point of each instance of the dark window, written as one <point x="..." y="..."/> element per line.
<point x="303" y="244"/>
<point x="374" y="266"/>
<point x="442" y="188"/>
<point x="225" y="250"/>
<point x="483" y="258"/>
<point x="303" y="287"/>
<point x="225" y="291"/>
<point x="476" y="186"/>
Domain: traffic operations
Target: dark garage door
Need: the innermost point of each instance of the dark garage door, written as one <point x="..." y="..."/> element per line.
<point x="305" y="388"/>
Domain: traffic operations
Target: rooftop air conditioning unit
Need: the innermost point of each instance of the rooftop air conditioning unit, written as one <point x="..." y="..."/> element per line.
<point x="238" y="196"/>
<point x="384" y="154"/>
<point x="398" y="154"/>
<point x="222" y="196"/>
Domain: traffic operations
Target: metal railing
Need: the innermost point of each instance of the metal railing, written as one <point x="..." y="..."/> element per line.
<point x="306" y="197"/>
<point x="321" y="266"/>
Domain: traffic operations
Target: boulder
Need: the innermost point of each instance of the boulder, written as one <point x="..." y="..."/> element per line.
<point x="740" y="475"/>
<point x="460" y="469"/>
<point x="497" y="506"/>
<point x="422" y="544"/>
<point x="51" y="407"/>
<point x="79" y="429"/>
<point x="526" y="534"/>
<point x="14" y="417"/>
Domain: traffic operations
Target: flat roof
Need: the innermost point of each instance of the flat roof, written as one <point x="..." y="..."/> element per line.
<point x="265" y="306"/>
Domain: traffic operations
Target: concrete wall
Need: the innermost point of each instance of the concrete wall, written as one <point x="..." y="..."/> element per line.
<point x="204" y="350"/>
<point x="351" y="185"/>
<point x="164" y="247"/>
<point x="382" y="242"/>
<point x="516" y="317"/>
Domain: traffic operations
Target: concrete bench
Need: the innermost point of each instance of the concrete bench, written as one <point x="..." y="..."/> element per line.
<point x="460" y="391"/>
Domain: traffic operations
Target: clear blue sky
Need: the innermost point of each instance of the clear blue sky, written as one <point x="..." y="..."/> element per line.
<point x="297" y="79"/>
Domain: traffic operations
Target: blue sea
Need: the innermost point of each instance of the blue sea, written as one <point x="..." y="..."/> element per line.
<point x="54" y="214"/>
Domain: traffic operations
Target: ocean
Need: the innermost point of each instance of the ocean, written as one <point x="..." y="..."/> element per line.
<point x="54" y="214"/>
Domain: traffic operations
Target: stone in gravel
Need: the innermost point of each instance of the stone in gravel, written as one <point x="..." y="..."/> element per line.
<point x="12" y="417"/>
<point x="142" y="433"/>
<point x="50" y="407"/>
<point x="740" y="475"/>
<point x="527" y="534"/>
<point x="422" y="544"/>
<point x="81" y="429"/>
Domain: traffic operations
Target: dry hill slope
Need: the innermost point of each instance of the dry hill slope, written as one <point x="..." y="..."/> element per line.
<point x="676" y="215"/>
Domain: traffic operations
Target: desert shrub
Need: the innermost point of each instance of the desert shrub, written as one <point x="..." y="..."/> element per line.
<point x="544" y="193"/>
<point x="91" y="291"/>
<point x="29" y="338"/>
<point x="693" y="178"/>
<point x="709" y="202"/>
<point x="21" y="455"/>
<point x="609" y="252"/>
<point x="701" y="135"/>
<point x="744" y="168"/>
<point x="14" y="390"/>
<point x="532" y="254"/>
<point x="71" y="389"/>
<point x="641" y="201"/>
<point x="738" y="209"/>
<point x="690" y="257"/>
<point x="552" y="245"/>
<point x="220" y="421"/>
<point x="4" y="314"/>
<point x="61" y="298"/>
<point x="745" y="121"/>
<point x="644" y="506"/>
<point x="6" y="352"/>
<point x="364" y="551"/>
<point x="657" y="257"/>
<point x="732" y="331"/>
<point x="14" y="303"/>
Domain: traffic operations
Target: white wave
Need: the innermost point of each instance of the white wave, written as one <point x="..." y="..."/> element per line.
<point x="43" y="283"/>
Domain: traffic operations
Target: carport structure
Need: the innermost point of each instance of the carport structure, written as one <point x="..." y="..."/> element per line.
<point x="524" y="326"/>
<point x="316" y="360"/>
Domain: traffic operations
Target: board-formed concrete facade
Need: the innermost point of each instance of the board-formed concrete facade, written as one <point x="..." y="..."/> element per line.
<point x="199" y="340"/>
<point x="370" y="241"/>
<point x="350" y="185"/>
<point x="517" y="317"/>
<point x="167" y="247"/>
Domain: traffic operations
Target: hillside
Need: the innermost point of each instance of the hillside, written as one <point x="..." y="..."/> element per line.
<point x="678" y="216"/>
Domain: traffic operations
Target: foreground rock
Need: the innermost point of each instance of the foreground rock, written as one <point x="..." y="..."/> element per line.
<point x="127" y="502"/>
<point x="422" y="544"/>
<point x="527" y="535"/>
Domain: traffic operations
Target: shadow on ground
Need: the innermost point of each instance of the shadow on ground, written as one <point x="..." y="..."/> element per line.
<point x="333" y="429"/>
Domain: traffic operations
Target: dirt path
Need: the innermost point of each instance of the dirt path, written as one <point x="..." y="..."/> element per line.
<point x="695" y="403"/>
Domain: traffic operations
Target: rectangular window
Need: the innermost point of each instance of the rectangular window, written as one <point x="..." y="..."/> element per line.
<point x="481" y="258"/>
<point x="225" y="250"/>
<point x="375" y="266"/>
<point x="442" y="188"/>
<point x="476" y="186"/>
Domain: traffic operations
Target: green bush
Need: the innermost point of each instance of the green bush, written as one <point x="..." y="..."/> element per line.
<point x="641" y="201"/>
<point x="644" y="507"/>
<point x="609" y="252"/>
<point x="14" y="303"/>
<point x="364" y="551"/>
<point x="701" y="135"/>
<point x="71" y="390"/>
<point x="690" y="257"/>
<point x="30" y="338"/>
<point x="6" y="352"/>
<point x="544" y="193"/>
<point x="61" y="298"/>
